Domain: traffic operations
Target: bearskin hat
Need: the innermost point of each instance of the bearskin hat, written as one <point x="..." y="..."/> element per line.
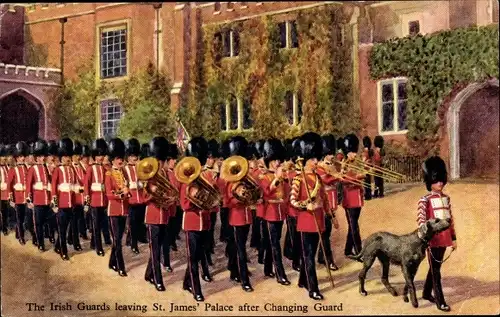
<point x="259" y="146"/>
<point x="9" y="149"/>
<point x="329" y="144"/>
<point x="52" y="147"/>
<point x="434" y="171"/>
<point x="86" y="151"/>
<point x="378" y="141"/>
<point x="224" y="149"/>
<point x="311" y="146"/>
<point x="351" y="143"/>
<point x="296" y="152"/>
<point x="77" y="148"/>
<point x="198" y="147"/>
<point x="213" y="148"/>
<point x="367" y="142"/>
<point x="238" y="146"/>
<point x="132" y="147"/>
<point x="65" y="147"/>
<point x="273" y="150"/>
<point x="99" y="148"/>
<point x="288" y="149"/>
<point x="116" y="149"/>
<point x="159" y="148"/>
<point x="40" y="148"/>
<point x="252" y="151"/>
<point x="3" y="150"/>
<point x="173" y="151"/>
<point x="145" y="151"/>
<point x="31" y="147"/>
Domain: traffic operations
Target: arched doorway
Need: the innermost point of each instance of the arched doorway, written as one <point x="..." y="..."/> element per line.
<point x="21" y="117"/>
<point x="473" y="126"/>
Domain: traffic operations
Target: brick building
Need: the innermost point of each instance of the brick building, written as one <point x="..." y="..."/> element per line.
<point x="122" y="38"/>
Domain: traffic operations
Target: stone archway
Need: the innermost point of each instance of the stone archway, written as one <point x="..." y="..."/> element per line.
<point x="22" y="117"/>
<point x="467" y="124"/>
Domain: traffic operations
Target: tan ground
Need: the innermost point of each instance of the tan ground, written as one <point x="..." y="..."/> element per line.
<point x="470" y="276"/>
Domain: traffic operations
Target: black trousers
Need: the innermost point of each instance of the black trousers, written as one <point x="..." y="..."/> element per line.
<point x="264" y="244"/>
<point x="292" y="241"/>
<point x="353" y="237"/>
<point x="29" y="223"/>
<point x="98" y="217"/>
<point x="325" y="235"/>
<point x="4" y="211"/>
<point x="273" y="250"/>
<point x="74" y="229"/>
<point x="42" y="215"/>
<point x="307" y="276"/>
<point x="225" y="231"/>
<point x="117" y="227"/>
<point x="256" y="229"/>
<point x="368" y="190"/>
<point x="433" y="280"/>
<point x="211" y="242"/>
<point x="195" y="241"/>
<point x="238" y="253"/>
<point x="20" y="215"/>
<point x="177" y="221"/>
<point x="165" y="246"/>
<point x="379" y="184"/>
<point x="156" y="235"/>
<point x="136" y="222"/>
<point x="63" y="219"/>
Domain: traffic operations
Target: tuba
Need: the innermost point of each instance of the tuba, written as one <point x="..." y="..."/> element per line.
<point x="199" y="191"/>
<point x="148" y="169"/>
<point x="235" y="170"/>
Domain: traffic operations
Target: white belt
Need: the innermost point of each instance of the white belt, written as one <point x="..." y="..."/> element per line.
<point x="41" y="186"/>
<point x="275" y="201"/>
<point x="76" y="188"/>
<point x="133" y="185"/>
<point x="97" y="187"/>
<point x="442" y="213"/>
<point x="3" y="186"/>
<point x="19" y="187"/>
<point x="65" y="187"/>
<point x="330" y="188"/>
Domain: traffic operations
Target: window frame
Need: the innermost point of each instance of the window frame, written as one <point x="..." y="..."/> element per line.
<point x="395" y="98"/>
<point x="111" y="26"/>
<point x="288" y="34"/>
<point x="116" y="123"/>
<point x="240" y="115"/>
<point x="295" y="108"/>
<point x="230" y="33"/>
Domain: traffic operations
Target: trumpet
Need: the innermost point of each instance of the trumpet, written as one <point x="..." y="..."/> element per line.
<point x="148" y="169"/>
<point x="235" y="170"/>
<point x="199" y="191"/>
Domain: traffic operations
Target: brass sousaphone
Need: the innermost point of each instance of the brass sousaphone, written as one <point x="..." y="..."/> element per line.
<point x="235" y="170"/>
<point x="199" y="191"/>
<point x="148" y="169"/>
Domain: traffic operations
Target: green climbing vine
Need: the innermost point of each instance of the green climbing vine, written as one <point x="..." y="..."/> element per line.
<point x="435" y="65"/>
<point x="319" y="69"/>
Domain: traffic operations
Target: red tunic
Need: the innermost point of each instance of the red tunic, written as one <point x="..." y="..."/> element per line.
<point x="292" y="211"/>
<point x="63" y="179"/>
<point x="136" y="192"/>
<point x="239" y="214"/>
<point x="16" y="183"/>
<point x="353" y="194"/>
<point x="4" y="192"/>
<point x="173" y="180"/>
<point x="305" y="219"/>
<point x="193" y="219"/>
<point x="437" y="205"/>
<point x="258" y="174"/>
<point x="330" y="183"/>
<point x="276" y="202"/>
<point x="377" y="158"/>
<point x="156" y="215"/>
<point x="38" y="185"/>
<point x="79" y="181"/>
<point x="116" y="206"/>
<point x="93" y="186"/>
<point x="211" y="176"/>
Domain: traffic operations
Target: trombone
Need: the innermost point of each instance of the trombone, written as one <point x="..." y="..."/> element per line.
<point x="328" y="168"/>
<point x="370" y="171"/>
<point x="382" y="170"/>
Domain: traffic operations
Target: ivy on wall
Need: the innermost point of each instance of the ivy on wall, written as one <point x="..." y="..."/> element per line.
<point x="435" y="65"/>
<point x="320" y="69"/>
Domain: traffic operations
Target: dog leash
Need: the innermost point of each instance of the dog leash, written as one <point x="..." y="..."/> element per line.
<point x="430" y="252"/>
